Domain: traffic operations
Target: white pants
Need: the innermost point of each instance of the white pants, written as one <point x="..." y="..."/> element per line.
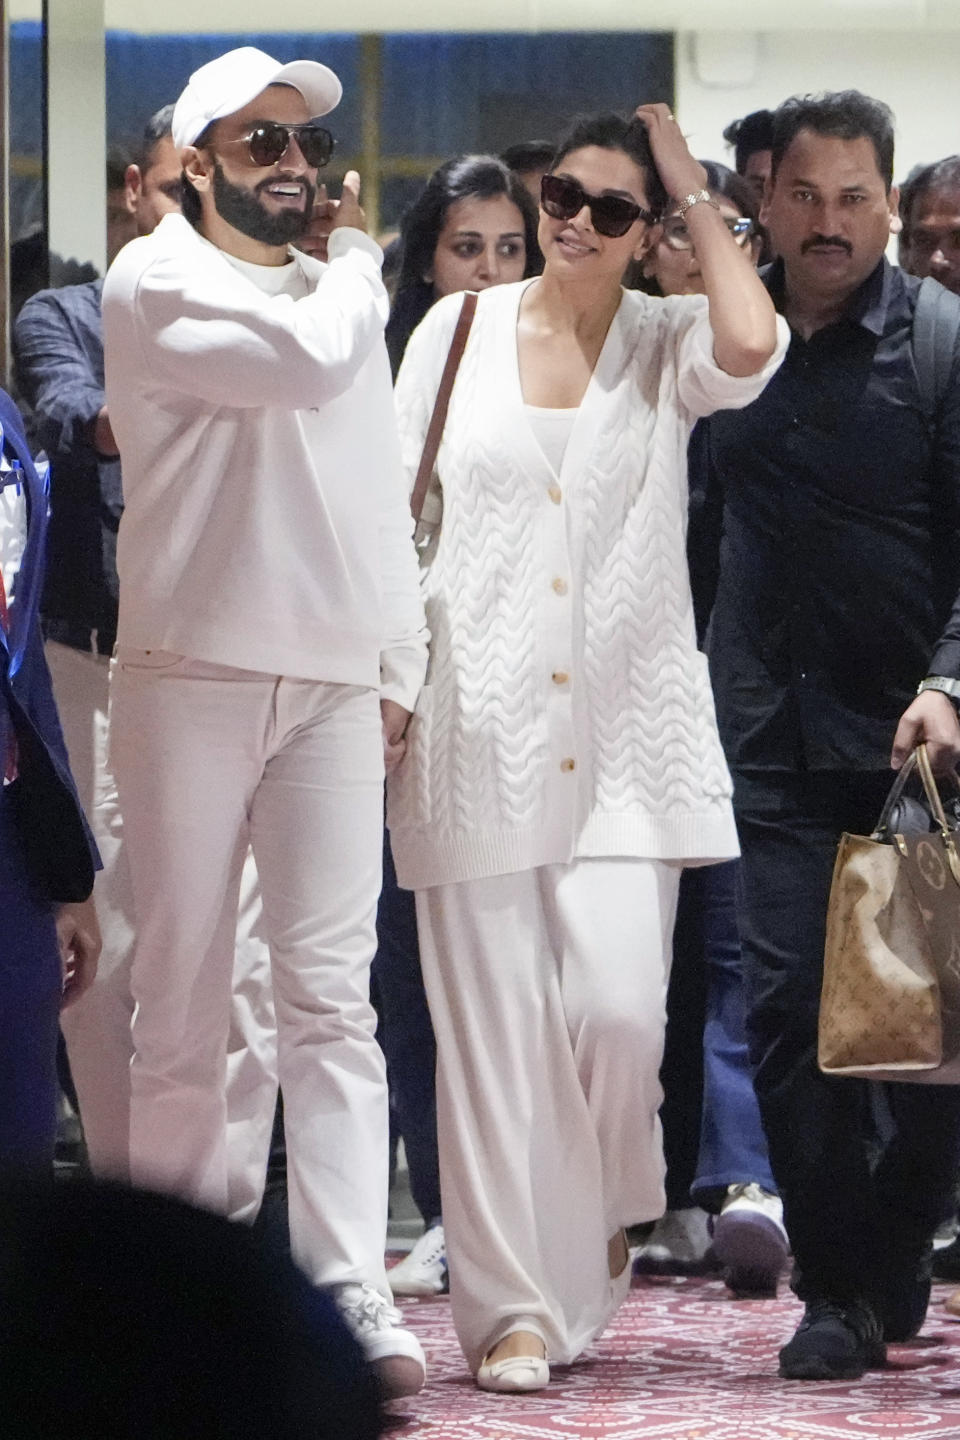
<point x="548" y="996"/>
<point x="209" y="760"/>
<point x="97" y="1029"/>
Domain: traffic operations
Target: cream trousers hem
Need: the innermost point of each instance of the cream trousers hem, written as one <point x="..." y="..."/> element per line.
<point x="548" y="995"/>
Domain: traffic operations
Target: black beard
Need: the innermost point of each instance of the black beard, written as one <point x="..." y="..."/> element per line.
<point x="244" y="210"/>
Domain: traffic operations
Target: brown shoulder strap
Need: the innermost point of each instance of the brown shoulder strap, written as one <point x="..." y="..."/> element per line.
<point x="438" y="419"/>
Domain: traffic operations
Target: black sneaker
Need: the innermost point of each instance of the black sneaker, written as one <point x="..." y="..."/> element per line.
<point x="835" y="1340"/>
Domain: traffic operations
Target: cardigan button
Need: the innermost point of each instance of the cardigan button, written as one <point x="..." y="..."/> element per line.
<point x="568" y="764"/>
<point x="560" y="677"/>
<point x="555" y="493"/>
<point x="560" y="586"/>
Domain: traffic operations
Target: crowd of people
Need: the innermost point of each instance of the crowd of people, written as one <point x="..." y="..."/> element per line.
<point x="682" y="593"/>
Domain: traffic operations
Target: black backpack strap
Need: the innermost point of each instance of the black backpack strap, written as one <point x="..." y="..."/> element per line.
<point x="936" y="332"/>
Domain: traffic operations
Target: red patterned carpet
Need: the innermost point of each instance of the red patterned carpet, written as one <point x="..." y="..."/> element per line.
<point x="686" y="1362"/>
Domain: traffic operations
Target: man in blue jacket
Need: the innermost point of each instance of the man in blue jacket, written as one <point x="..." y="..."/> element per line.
<point x="50" y="940"/>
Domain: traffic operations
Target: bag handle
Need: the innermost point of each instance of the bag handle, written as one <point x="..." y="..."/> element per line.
<point x="896" y="790"/>
<point x="442" y="403"/>
<point x="919" y="760"/>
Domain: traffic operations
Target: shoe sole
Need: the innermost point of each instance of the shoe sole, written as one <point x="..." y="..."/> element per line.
<point x="820" y="1370"/>
<point x="412" y="1290"/>
<point x="399" y="1375"/>
<point x="752" y="1252"/>
<point x="817" y="1368"/>
<point x="644" y="1264"/>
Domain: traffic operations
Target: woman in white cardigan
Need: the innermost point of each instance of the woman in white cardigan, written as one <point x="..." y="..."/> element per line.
<point x="563" y="762"/>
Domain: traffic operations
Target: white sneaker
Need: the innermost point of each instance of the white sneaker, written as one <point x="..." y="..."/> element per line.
<point x="395" y="1353"/>
<point x="679" y="1244"/>
<point x="749" y="1239"/>
<point x="424" y="1270"/>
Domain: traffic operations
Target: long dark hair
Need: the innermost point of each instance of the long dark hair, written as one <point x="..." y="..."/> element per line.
<point x="474" y="177"/>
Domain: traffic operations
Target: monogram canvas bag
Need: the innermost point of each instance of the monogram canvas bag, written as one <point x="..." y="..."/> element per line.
<point x="890" y="1004"/>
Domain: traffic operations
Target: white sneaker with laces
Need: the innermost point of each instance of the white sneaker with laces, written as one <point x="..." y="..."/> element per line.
<point x="424" y="1270"/>
<point x="395" y="1353"/>
<point x="749" y="1239"/>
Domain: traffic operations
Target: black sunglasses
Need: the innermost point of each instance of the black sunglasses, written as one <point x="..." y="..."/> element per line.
<point x="612" y="215"/>
<point x="270" y="141"/>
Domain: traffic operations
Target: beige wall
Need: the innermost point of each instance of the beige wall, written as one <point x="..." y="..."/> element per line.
<point x="76" y="119"/>
<point x="721" y="77"/>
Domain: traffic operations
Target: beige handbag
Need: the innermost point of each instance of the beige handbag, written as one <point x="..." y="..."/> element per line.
<point x="890" y="1004"/>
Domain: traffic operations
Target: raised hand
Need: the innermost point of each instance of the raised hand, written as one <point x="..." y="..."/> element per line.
<point x="348" y="211"/>
<point x="329" y="214"/>
<point x="314" y="239"/>
<point x="680" y="172"/>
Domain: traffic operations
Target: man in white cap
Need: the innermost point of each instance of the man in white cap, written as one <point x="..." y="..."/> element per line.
<point x="271" y="645"/>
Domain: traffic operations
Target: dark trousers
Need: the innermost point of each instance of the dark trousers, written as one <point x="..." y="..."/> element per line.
<point x="30" y="987"/>
<point x="860" y="1203"/>
<point x="406" y="1037"/>
<point x="712" y="1133"/>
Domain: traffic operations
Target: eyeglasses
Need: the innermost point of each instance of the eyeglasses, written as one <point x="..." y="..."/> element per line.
<point x="270" y="141"/>
<point x="611" y="215"/>
<point x="676" y="232"/>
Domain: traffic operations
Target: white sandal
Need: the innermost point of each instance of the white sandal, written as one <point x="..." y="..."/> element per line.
<point x="515" y="1375"/>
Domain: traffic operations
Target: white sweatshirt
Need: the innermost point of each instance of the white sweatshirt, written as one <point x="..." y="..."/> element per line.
<point x="568" y="711"/>
<point x="266" y="522"/>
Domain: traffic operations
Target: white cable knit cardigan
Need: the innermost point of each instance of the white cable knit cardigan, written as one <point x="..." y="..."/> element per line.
<point x="567" y="710"/>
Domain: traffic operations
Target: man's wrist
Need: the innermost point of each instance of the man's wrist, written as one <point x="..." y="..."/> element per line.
<point x="344" y="238"/>
<point x="944" y="684"/>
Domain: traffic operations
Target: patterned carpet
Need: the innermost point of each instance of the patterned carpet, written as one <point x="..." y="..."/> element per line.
<point x="686" y="1362"/>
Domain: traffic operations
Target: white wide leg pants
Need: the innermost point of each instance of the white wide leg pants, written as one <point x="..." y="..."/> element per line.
<point x="209" y="760"/>
<point x="97" y="1029"/>
<point x="548" y="996"/>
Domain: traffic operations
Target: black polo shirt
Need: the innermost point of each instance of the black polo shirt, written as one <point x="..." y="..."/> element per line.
<point x="839" y="562"/>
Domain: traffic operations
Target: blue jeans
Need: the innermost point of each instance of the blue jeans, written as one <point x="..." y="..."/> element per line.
<point x="30" y="988"/>
<point x="406" y="1037"/>
<point x="713" y="1136"/>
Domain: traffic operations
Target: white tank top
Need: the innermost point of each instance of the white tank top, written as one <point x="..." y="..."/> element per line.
<point x="552" y="431"/>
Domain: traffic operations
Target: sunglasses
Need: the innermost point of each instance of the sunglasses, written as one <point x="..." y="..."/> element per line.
<point x="269" y="142"/>
<point x="676" y="232"/>
<point x="612" y="215"/>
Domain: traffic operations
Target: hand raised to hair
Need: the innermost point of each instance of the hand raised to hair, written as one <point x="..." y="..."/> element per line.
<point x="680" y="172"/>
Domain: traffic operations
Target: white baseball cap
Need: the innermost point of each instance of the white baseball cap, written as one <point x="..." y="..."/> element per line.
<point x="225" y="85"/>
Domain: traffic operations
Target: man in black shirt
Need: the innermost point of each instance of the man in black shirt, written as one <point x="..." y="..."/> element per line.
<point x="836" y="596"/>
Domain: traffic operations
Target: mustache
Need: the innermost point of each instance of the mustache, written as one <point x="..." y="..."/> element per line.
<point x="836" y="240"/>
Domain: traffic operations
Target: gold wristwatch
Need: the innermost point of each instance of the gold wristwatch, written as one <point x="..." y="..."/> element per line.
<point x="697" y="197"/>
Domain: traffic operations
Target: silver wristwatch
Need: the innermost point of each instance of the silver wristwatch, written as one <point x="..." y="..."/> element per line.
<point x="943" y="683"/>
<point x="698" y="197"/>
